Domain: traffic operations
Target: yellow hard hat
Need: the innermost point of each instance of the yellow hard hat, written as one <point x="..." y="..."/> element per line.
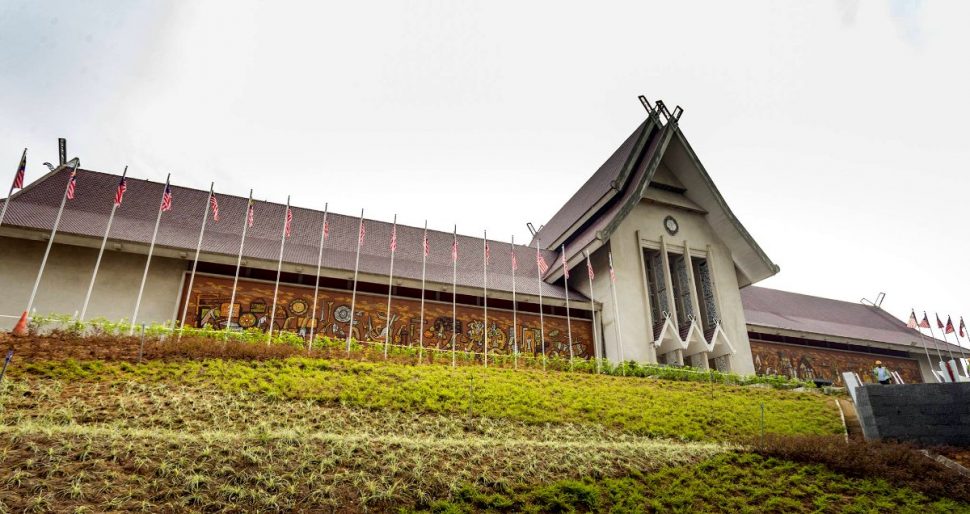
<point x="879" y="362"/>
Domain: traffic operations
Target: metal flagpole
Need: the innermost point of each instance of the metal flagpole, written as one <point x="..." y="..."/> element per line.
<point x="515" y="312"/>
<point x="3" y="212"/>
<point x="247" y="221"/>
<point x="287" y="218"/>
<point x="616" y="314"/>
<point x="353" y="296"/>
<point x="933" y="334"/>
<point x="454" y="298"/>
<point x="485" y="291"/>
<point x="592" y="311"/>
<point x="104" y="241"/>
<point x="542" y="320"/>
<point x="956" y="336"/>
<point x="936" y="343"/>
<point x="424" y="264"/>
<point x="316" y="285"/>
<point x="390" y="285"/>
<point x="945" y="339"/>
<point x="148" y="261"/>
<point x="50" y="242"/>
<point x="922" y="339"/>
<point x="195" y="261"/>
<point x="569" y="326"/>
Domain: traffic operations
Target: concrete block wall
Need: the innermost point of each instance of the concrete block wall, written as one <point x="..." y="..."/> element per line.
<point x="926" y="414"/>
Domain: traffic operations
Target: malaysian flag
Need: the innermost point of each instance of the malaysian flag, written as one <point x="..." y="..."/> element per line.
<point x="167" y="199"/>
<point x="288" y="222"/>
<point x="394" y="239"/>
<point x="71" y="184"/>
<point x="427" y="245"/>
<point x="515" y="261"/>
<point x="926" y="321"/>
<point x="963" y="328"/>
<point x="949" y="326"/>
<point x="612" y="272"/>
<point x="912" y="323"/>
<point x="541" y="263"/>
<point x="488" y="253"/>
<point x="363" y="231"/>
<point x="215" y="206"/>
<point x="326" y="229"/>
<point x="120" y="193"/>
<point x="250" y="216"/>
<point x="565" y="267"/>
<point x="939" y="323"/>
<point x="589" y="269"/>
<point x="454" y="250"/>
<point x="18" y="179"/>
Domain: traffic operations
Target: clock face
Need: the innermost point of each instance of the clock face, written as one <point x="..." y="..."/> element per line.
<point x="671" y="225"/>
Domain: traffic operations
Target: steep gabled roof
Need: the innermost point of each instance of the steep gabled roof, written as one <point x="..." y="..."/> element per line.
<point x="35" y="208"/>
<point x="772" y="308"/>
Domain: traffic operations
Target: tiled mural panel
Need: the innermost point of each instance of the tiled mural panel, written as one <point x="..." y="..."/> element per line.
<point x="210" y="297"/>
<point x="807" y="363"/>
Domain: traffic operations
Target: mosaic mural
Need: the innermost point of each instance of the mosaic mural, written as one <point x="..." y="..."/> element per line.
<point x="808" y="363"/>
<point x="210" y="296"/>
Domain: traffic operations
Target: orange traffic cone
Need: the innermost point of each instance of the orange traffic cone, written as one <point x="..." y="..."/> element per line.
<point x="20" y="329"/>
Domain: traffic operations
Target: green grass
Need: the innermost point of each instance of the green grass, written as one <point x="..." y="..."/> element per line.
<point x="690" y="411"/>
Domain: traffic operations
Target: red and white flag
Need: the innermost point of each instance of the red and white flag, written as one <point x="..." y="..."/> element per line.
<point x="912" y="323"/>
<point x="541" y="263"/>
<point x="326" y="229"/>
<point x="18" y="179"/>
<point x="515" y="262"/>
<point x="363" y="232"/>
<point x="454" y="250"/>
<point x="949" y="326"/>
<point x="925" y="323"/>
<point x="963" y="328"/>
<point x="589" y="269"/>
<point x="612" y="272"/>
<point x="565" y="266"/>
<point x="427" y="246"/>
<point x="167" y="199"/>
<point x="120" y="193"/>
<point x="250" y="215"/>
<point x="394" y="239"/>
<point x="488" y="253"/>
<point x="215" y="206"/>
<point x="289" y="221"/>
<point x="939" y="323"/>
<point x="71" y="185"/>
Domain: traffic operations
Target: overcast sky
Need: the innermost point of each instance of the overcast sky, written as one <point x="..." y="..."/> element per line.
<point x="836" y="130"/>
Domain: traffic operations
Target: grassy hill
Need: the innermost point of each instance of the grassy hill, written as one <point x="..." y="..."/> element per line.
<point x="185" y="430"/>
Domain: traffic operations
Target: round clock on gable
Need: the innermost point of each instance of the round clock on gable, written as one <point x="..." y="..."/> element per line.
<point x="671" y="225"/>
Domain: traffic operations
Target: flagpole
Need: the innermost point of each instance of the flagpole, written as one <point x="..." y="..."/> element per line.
<point x="390" y="285"/>
<point x="454" y="298"/>
<point x="515" y="319"/>
<point x="148" y="261"/>
<point x="424" y="265"/>
<point x="569" y="326"/>
<point x="936" y="343"/>
<point x="956" y="335"/>
<point x="50" y="242"/>
<point x="485" y="291"/>
<point x="542" y="320"/>
<point x="923" y="339"/>
<point x="616" y="314"/>
<point x="3" y="212"/>
<point x="242" y="243"/>
<point x="195" y="261"/>
<point x="316" y="285"/>
<point x="353" y="296"/>
<point x="592" y="312"/>
<point x="945" y="339"/>
<point x="97" y="262"/>
<point x="279" y="270"/>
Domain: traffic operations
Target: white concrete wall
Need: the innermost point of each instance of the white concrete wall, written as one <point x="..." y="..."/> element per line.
<point x="68" y="274"/>
<point x="635" y="322"/>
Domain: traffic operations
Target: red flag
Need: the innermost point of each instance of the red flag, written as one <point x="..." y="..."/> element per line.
<point x="515" y="262"/>
<point x="427" y="246"/>
<point x="589" y="269"/>
<point x="394" y="239"/>
<point x="541" y="263"/>
<point x="454" y="250"/>
<point x="250" y="216"/>
<point x="612" y="273"/>
<point x="939" y="324"/>
<point x="18" y="179"/>
<point x="565" y="267"/>
<point x="326" y="229"/>
<point x="912" y="323"/>
<point x="120" y="193"/>
<point x="215" y="206"/>
<point x="363" y="231"/>
<point x="963" y="328"/>
<point x="289" y="221"/>
<point x="949" y="326"/>
<point x="488" y="253"/>
<point x="167" y="199"/>
<point x="71" y="184"/>
<point x="926" y="321"/>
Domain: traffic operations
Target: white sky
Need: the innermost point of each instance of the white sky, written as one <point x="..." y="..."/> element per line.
<point x="836" y="129"/>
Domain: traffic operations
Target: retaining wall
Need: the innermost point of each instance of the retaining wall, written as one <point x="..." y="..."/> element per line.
<point x="927" y="414"/>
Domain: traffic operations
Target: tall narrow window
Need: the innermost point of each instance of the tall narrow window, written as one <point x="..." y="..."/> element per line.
<point x="656" y="289"/>
<point x="682" y="293"/>
<point x="705" y="293"/>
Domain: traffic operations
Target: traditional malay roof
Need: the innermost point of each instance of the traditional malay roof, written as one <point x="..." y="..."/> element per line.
<point x="589" y="218"/>
<point x="821" y="317"/>
<point x="35" y="207"/>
